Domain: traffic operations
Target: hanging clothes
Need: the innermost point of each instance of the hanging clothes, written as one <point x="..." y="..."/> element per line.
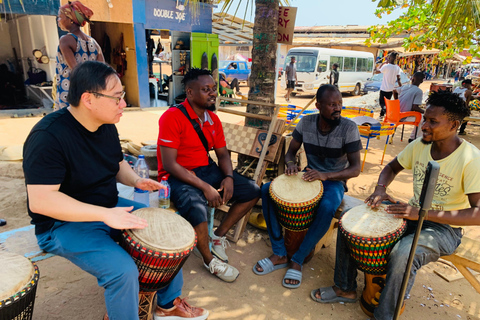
<point x="107" y="48"/>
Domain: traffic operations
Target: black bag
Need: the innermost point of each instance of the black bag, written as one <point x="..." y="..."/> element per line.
<point x="36" y="75"/>
<point x="195" y="125"/>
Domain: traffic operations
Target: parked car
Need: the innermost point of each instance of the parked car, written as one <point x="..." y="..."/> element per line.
<point x="373" y="84"/>
<point x="235" y="69"/>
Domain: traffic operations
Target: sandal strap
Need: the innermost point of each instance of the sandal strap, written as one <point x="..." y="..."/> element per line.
<point x="266" y="264"/>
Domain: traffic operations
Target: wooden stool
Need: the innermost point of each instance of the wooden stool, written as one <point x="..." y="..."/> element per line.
<point x="466" y="256"/>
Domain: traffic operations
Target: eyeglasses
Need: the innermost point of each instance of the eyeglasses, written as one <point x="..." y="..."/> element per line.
<point x="117" y="99"/>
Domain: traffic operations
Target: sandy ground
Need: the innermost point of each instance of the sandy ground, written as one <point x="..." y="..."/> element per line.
<point x="66" y="292"/>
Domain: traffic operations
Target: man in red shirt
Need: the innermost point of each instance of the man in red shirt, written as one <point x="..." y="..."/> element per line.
<point x="196" y="181"/>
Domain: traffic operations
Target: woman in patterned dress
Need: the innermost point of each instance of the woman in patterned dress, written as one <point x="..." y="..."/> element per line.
<point x="74" y="48"/>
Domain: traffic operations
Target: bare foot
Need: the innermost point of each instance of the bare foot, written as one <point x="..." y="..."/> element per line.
<point x="275" y="260"/>
<point x="339" y="293"/>
<point x="296" y="266"/>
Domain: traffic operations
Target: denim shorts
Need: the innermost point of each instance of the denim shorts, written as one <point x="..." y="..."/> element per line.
<point x="191" y="202"/>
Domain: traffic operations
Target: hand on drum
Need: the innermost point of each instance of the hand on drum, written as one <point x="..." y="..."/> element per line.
<point x="213" y="197"/>
<point x="121" y="218"/>
<point x="403" y="211"/>
<point x="148" y="184"/>
<point x="312" y="175"/>
<point x="292" y="169"/>
<point x="379" y="195"/>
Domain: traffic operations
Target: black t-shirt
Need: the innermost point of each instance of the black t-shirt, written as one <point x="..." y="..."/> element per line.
<point x="334" y="75"/>
<point x="59" y="150"/>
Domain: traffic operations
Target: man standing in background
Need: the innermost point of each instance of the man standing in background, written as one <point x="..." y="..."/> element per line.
<point x="391" y="74"/>
<point x="291" y="74"/>
<point x="334" y="75"/>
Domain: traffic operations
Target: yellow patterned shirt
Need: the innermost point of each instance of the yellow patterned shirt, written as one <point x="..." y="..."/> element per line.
<point x="459" y="174"/>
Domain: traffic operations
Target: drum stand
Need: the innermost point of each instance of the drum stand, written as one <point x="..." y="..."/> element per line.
<point x="426" y="197"/>
<point x="146" y="305"/>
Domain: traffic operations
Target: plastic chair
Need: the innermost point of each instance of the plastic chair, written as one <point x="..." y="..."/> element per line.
<point x="394" y="116"/>
<point x="369" y="131"/>
<point x="376" y="131"/>
<point x="352" y="112"/>
<point x="225" y="92"/>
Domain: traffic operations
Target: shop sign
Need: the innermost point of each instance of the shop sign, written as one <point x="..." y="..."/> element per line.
<point x="286" y="24"/>
<point x="174" y="15"/>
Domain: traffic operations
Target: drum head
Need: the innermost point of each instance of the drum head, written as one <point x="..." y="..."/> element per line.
<point x="44" y="59"/>
<point x="294" y="189"/>
<point x="166" y="231"/>
<point x="16" y="273"/>
<point x="37" y="53"/>
<point x="365" y="221"/>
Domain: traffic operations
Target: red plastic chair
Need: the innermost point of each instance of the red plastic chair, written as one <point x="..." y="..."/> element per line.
<point x="394" y="116"/>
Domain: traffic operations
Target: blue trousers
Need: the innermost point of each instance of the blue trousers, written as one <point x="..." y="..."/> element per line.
<point x="332" y="198"/>
<point x="92" y="247"/>
<point x="435" y="240"/>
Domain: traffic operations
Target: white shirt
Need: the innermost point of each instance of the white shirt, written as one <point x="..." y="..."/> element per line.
<point x="461" y="92"/>
<point x="390" y="73"/>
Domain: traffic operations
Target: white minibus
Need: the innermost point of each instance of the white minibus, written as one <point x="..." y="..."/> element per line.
<point x="314" y="64"/>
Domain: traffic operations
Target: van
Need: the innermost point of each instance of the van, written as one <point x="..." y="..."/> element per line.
<point x="314" y="64"/>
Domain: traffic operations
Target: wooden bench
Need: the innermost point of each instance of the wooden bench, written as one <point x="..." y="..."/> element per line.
<point x="466" y="256"/>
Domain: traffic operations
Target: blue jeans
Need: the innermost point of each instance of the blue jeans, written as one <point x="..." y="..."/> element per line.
<point x="331" y="199"/>
<point x="92" y="247"/>
<point x="435" y="240"/>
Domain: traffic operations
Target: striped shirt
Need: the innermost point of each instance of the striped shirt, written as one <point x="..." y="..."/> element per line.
<point x="327" y="153"/>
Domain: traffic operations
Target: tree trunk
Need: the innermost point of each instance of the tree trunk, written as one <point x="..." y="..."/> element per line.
<point x="264" y="55"/>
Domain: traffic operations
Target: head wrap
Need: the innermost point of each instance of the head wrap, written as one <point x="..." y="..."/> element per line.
<point x="77" y="12"/>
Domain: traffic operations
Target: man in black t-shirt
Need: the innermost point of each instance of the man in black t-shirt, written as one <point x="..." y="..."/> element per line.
<point x="334" y="75"/>
<point x="72" y="162"/>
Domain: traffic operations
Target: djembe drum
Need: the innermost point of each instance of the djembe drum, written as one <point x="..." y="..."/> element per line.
<point x="159" y="251"/>
<point x="371" y="233"/>
<point x="18" y="285"/>
<point x="296" y="202"/>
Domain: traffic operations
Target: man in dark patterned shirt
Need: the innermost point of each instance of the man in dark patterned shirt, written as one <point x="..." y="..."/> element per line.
<point x="332" y="145"/>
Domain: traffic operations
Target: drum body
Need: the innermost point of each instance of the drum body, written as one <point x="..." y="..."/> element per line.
<point x="371" y="234"/>
<point x="295" y="200"/>
<point x="159" y="251"/>
<point x="18" y="285"/>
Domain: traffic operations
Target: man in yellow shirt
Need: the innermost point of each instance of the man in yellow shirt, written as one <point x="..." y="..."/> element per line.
<point x="456" y="202"/>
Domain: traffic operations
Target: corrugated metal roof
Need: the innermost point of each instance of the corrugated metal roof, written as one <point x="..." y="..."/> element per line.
<point x="232" y="30"/>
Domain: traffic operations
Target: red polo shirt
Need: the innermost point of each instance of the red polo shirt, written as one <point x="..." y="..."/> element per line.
<point x="176" y="131"/>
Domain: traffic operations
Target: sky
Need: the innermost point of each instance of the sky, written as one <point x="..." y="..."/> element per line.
<point x="329" y="12"/>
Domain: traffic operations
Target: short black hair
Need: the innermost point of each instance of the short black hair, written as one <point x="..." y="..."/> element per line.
<point x="419" y="74"/>
<point x="193" y="75"/>
<point x="89" y="76"/>
<point x="467" y="81"/>
<point x="455" y="107"/>
<point x="336" y="64"/>
<point x="324" y="88"/>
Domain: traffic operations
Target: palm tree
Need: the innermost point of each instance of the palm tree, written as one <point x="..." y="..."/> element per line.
<point x="264" y="54"/>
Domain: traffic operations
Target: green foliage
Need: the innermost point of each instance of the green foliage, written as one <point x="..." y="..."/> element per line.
<point x="447" y="25"/>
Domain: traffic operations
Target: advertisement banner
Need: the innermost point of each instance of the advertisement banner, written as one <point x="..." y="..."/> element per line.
<point x="286" y="24"/>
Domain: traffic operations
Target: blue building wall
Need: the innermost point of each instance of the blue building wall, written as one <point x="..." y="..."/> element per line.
<point x="36" y="7"/>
